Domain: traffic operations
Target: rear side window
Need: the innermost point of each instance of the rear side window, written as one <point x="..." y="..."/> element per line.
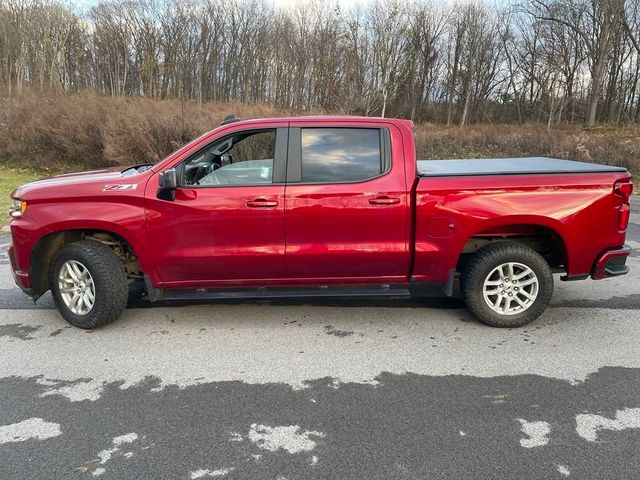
<point x="340" y="154"/>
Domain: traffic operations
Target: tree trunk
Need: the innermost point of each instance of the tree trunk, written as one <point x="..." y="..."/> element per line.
<point x="467" y="103"/>
<point x="596" y="87"/>
<point x="384" y="103"/>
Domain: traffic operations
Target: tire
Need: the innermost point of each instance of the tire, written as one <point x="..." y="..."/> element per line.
<point x="106" y="275"/>
<point x="490" y="264"/>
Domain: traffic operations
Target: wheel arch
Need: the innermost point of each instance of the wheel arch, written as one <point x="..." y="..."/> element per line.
<point x="544" y="237"/>
<point x="47" y="247"/>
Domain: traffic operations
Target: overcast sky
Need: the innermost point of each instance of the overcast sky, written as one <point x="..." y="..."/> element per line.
<point x="82" y="7"/>
<point x="85" y="5"/>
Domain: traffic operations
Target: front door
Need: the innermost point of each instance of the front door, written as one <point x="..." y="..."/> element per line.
<point x="226" y="223"/>
<point x="347" y="207"/>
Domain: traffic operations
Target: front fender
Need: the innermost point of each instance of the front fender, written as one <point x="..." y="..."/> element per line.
<point x="125" y="220"/>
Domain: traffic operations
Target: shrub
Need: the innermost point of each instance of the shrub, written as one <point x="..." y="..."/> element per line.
<point x="62" y="133"/>
<point x="65" y="132"/>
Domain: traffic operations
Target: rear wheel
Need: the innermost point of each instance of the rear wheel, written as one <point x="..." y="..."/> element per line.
<point x="507" y="284"/>
<point x="89" y="284"/>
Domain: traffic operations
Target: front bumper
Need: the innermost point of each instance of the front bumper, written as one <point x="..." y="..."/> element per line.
<point x="611" y="263"/>
<point x="21" y="278"/>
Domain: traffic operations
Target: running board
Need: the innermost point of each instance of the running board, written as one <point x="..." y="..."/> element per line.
<point x="308" y="291"/>
<point x="269" y="292"/>
<point x="279" y="292"/>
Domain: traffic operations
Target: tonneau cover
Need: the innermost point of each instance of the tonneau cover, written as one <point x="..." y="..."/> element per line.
<point x="508" y="166"/>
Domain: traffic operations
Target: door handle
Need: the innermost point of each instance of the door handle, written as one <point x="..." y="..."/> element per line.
<point x="384" y="201"/>
<point x="261" y="203"/>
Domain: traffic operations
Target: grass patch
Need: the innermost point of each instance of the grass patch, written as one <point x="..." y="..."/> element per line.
<point x="10" y="178"/>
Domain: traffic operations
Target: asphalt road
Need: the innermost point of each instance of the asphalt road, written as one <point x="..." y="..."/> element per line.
<point x="325" y="389"/>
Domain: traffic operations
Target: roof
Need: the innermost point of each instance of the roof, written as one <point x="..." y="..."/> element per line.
<point x="328" y="118"/>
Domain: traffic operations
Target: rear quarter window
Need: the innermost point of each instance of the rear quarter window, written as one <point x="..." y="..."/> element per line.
<point x="340" y="154"/>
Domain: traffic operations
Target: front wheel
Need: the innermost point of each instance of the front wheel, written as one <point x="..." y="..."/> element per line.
<point x="89" y="284"/>
<point x="507" y="284"/>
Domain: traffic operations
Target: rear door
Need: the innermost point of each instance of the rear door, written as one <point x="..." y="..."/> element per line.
<point x="347" y="206"/>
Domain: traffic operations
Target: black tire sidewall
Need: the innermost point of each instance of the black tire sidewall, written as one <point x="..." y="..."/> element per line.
<point x="107" y="274"/>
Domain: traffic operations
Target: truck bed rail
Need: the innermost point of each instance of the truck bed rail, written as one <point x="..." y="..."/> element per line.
<point x="508" y="166"/>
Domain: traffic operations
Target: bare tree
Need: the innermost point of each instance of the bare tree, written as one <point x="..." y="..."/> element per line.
<point x="595" y="21"/>
<point x="430" y="60"/>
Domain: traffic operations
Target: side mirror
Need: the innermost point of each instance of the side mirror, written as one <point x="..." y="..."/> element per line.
<point x="167" y="184"/>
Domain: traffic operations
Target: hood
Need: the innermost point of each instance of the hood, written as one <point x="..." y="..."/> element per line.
<point x="78" y="184"/>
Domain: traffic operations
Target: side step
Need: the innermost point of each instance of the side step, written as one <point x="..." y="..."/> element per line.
<point x="279" y="292"/>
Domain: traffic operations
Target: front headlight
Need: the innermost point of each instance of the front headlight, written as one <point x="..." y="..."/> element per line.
<point x="19" y="207"/>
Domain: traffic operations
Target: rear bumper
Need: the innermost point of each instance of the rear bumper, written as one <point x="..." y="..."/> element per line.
<point x="611" y="263"/>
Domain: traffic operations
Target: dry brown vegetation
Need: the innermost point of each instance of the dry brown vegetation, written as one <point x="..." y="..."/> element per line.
<point x="63" y="133"/>
<point x="66" y="132"/>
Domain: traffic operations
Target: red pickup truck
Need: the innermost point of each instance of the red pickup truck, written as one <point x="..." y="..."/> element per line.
<point x="328" y="205"/>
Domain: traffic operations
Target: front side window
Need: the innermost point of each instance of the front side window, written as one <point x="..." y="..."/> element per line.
<point x="340" y="154"/>
<point x="243" y="158"/>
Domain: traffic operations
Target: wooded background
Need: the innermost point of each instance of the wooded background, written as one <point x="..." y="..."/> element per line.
<point x="129" y="81"/>
<point x="456" y="62"/>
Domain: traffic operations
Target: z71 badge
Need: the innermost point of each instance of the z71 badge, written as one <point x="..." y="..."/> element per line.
<point x="122" y="186"/>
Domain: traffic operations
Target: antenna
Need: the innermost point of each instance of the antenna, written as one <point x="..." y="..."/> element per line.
<point x="229" y="119"/>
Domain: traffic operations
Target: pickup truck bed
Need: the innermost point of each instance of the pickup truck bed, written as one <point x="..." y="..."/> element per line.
<point x="508" y="166"/>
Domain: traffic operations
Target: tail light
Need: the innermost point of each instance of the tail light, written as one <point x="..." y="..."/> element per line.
<point x="624" y="189"/>
<point x="623" y="216"/>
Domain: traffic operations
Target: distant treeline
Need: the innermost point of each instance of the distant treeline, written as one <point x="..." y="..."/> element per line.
<point x="548" y="61"/>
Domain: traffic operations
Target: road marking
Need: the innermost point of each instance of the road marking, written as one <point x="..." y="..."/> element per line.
<point x="588" y="425"/>
<point x="33" y="428"/>
<point x="537" y="433"/>
<point x="286" y="438"/>
<point x="563" y="470"/>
